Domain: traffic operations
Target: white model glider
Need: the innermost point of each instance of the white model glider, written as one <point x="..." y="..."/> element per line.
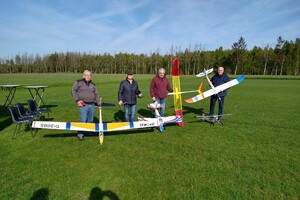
<point x="107" y="127"/>
<point x="215" y="90"/>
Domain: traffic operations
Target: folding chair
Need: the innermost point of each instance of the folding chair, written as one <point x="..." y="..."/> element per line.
<point x="19" y="120"/>
<point x="33" y="108"/>
<point x="26" y="113"/>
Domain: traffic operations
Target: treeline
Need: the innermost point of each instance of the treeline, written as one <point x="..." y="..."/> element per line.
<point x="282" y="59"/>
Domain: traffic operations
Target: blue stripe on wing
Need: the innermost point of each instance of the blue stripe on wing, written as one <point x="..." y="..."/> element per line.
<point x="104" y="127"/>
<point x="131" y="125"/>
<point x="68" y="126"/>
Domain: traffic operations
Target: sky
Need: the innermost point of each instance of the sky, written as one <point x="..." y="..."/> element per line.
<point x="145" y="26"/>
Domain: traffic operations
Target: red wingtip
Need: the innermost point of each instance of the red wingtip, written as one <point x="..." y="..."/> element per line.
<point x="189" y="100"/>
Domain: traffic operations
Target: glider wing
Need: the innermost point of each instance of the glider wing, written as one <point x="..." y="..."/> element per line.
<point x="94" y="127"/>
<point x="217" y="89"/>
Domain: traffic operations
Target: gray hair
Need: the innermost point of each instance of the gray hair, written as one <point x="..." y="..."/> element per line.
<point x="162" y="70"/>
<point x="86" y="71"/>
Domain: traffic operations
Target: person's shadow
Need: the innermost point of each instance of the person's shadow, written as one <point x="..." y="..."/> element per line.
<point x="146" y="113"/>
<point x="196" y="111"/>
<point x="119" y="116"/>
<point x="40" y="194"/>
<point x="97" y="194"/>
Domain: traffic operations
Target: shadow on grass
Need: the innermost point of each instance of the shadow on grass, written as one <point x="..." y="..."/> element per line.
<point x="196" y="111"/>
<point x="5" y="123"/>
<point x="97" y="194"/>
<point x="119" y="115"/>
<point x="5" y="118"/>
<point x="57" y="135"/>
<point x="146" y="113"/>
<point x="94" y="134"/>
<point x="40" y="194"/>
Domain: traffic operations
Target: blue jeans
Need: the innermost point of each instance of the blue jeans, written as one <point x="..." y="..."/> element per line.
<point x="161" y="110"/>
<point x="129" y="112"/>
<point x="213" y="101"/>
<point x="86" y="115"/>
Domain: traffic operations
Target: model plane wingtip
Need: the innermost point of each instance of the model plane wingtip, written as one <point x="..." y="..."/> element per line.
<point x="190" y="100"/>
<point x="241" y="78"/>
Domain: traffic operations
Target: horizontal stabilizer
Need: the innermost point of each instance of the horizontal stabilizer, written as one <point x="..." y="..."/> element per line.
<point x="205" y="72"/>
<point x="166" y="120"/>
<point x="155" y="105"/>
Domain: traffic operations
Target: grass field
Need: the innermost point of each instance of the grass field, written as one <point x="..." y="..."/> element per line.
<point x="255" y="155"/>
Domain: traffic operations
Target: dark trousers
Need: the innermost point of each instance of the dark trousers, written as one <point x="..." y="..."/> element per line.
<point x="213" y="101"/>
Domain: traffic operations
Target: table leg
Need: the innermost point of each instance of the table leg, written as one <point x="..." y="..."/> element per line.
<point x="9" y="97"/>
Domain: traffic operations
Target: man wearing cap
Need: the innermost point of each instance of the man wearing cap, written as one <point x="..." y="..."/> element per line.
<point x="85" y="95"/>
<point x="128" y="91"/>
<point x="158" y="89"/>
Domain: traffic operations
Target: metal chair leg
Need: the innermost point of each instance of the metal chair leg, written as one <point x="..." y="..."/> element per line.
<point x="17" y="129"/>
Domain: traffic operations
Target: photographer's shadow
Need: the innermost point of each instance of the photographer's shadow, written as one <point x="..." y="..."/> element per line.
<point x="97" y="194"/>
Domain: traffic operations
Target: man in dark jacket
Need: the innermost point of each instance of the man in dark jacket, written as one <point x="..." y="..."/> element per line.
<point x="158" y="89"/>
<point x="218" y="79"/>
<point x="85" y="94"/>
<point x="128" y="91"/>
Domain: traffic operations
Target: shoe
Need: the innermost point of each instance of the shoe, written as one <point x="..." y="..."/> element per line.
<point x="80" y="137"/>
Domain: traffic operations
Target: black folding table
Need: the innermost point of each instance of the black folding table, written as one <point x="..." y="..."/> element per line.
<point x="37" y="93"/>
<point x="9" y="92"/>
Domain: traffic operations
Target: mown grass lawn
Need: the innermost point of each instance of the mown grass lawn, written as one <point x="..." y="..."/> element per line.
<point x="255" y="155"/>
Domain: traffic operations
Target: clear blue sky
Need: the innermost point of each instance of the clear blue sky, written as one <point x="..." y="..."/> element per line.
<point x="112" y="26"/>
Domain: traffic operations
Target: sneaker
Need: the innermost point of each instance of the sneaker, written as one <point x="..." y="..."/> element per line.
<point x="80" y="137"/>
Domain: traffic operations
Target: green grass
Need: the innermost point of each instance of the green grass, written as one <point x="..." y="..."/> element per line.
<point x="255" y="155"/>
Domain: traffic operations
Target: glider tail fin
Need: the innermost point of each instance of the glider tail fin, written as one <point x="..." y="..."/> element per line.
<point x="200" y="89"/>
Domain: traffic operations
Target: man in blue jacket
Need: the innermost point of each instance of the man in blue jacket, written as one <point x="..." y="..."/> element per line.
<point x="128" y="91"/>
<point x="218" y="79"/>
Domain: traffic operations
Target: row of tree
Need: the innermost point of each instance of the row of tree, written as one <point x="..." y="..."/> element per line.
<point x="283" y="59"/>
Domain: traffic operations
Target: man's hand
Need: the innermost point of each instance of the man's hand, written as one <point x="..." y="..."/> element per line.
<point x="120" y="103"/>
<point x="80" y="103"/>
<point x="99" y="107"/>
<point x="153" y="98"/>
<point x="140" y="95"/>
